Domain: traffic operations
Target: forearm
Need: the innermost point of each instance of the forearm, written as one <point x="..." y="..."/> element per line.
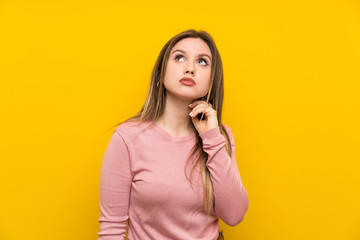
<point x="230" y="196"/>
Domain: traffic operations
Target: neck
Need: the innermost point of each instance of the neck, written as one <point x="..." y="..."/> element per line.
<point x="175" y="119"/>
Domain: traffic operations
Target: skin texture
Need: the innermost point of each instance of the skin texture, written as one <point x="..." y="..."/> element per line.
<point x="176" y="119"/>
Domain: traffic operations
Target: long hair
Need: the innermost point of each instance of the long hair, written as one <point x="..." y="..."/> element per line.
<point x="155" y="103"/>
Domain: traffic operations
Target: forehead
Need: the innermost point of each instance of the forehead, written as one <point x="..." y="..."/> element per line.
<point x="192" y="46"/>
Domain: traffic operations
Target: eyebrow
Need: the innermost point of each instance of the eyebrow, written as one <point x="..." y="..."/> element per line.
<point x="200" y="55"/>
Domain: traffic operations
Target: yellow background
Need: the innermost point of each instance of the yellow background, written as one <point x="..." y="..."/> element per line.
<point x="69" y="70"/>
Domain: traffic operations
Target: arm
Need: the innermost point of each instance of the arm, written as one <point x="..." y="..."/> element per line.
<point x="230" y="197"/>
<point x="115" y="184"/>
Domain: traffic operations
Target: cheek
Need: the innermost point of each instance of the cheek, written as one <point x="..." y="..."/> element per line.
<point x="171" y="69"/>
<point x="207" y="75"/>
<point x="170" y="73"/>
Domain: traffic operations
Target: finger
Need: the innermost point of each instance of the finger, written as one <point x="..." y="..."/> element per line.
<point x="198" y="110"/>
<point x="205" y="107"/>
<point x="197" y="102"/>
<point x="202" y="105"/>
<point x="199" y="107"/>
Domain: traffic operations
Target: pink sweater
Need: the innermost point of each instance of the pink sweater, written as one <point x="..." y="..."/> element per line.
<point x="142" y="180"/>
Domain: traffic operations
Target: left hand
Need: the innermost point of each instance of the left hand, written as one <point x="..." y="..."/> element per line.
<point x="210" y="114"/>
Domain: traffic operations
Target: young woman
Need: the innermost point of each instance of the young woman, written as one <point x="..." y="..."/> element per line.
<point x="170" y="172"/>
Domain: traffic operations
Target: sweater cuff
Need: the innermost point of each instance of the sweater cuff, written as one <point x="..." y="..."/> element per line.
<point x="212" y="137"/>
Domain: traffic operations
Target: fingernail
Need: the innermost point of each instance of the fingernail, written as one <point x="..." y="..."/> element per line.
<point x="190" y="113"/>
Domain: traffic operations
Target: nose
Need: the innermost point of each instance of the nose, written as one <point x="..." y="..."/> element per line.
<point x="191" y="72"/>
<point x="189" y="68"/>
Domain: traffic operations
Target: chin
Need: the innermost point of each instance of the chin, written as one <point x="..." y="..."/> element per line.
<point x="185" y="96"/>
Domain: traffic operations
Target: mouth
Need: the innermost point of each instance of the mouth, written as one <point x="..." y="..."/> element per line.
<point x="187" y="81"/>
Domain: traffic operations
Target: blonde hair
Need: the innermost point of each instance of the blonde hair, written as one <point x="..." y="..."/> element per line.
<point x="156" y="97"/>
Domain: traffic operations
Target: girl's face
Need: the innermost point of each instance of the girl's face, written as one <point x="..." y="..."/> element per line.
<point x="189" y="58"/>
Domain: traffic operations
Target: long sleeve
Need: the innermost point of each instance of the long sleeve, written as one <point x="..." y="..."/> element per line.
<point x="115" y="184"/>
<point x="230" y="196"/>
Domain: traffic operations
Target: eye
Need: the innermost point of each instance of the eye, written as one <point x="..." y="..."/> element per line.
<point x="178" y="56"/>
<point x="203" y="60"/>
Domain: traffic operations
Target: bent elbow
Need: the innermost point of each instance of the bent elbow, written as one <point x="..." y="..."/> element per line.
<point x="233" y="222"/>
<point x="237" y="216"/>
<point x="235" y="219"/>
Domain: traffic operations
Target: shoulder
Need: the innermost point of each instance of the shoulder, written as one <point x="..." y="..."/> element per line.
<point x="131" y="129"/>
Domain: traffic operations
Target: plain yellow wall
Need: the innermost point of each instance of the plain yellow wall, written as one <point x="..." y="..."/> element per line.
<point x="69" y="70"/>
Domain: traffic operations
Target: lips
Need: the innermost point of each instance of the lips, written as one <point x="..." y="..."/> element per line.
<point x="187" y="81"/>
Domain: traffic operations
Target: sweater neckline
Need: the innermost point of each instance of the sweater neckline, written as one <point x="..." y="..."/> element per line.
<point x="168" y="136"/>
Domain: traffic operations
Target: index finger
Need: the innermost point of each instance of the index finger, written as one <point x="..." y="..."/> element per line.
<point x="197" y="102"/>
